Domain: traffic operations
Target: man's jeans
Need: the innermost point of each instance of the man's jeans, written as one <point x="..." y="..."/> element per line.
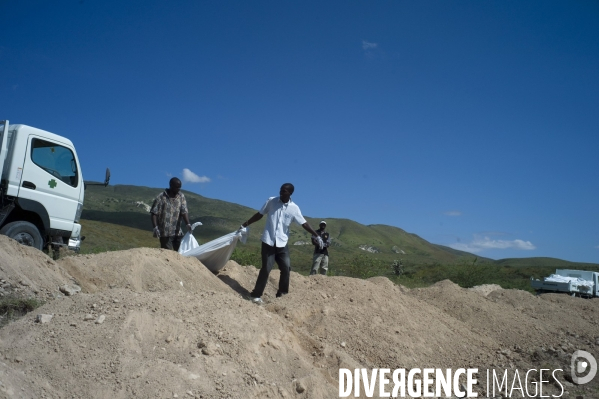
<point x="320" y="261"/>
<point x="173" y="243"/>
<point x="270" y="255"/>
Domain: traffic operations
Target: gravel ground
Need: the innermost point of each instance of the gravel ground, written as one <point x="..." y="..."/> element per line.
<point x="150" y="323"/>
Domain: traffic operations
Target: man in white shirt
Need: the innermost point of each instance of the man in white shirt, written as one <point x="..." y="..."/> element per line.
<point x="281" y="212"/>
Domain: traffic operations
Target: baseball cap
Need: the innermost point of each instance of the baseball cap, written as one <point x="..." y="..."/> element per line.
<point x="322" y="222"/>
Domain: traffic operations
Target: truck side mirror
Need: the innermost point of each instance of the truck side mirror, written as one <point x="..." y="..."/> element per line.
<point x="107" y="177"/>
<point x="106" y="180"/>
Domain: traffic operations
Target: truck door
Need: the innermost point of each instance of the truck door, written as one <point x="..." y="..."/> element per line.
<point x="51" y="176"/>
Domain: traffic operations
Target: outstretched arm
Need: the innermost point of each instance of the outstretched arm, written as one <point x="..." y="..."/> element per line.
<point x="309" y="229"/>
<point x="257" y="216"/>
<point x="316" y="239"/>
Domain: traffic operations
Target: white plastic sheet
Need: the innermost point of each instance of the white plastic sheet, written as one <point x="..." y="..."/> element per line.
<point x="556" y="278"/>
<point x="189" y="242"/>
<point x="216" y="253"/>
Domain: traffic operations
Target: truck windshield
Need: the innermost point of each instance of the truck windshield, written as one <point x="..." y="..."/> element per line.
<point x="57" y="160"/>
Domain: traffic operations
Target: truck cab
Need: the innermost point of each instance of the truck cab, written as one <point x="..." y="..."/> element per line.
<point x="41" y="187"/>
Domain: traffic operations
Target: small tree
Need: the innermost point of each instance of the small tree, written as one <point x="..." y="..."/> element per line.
<point x="397" y="267"/>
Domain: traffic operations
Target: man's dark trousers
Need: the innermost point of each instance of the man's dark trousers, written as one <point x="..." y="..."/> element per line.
<point x="270" y="255"/>
<point x="173" y="243"/>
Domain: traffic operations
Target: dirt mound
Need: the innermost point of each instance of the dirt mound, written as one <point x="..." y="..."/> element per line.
<point x="141" y="270"/>
<point x="173" y="329"/>
<point x="485" y="289"/>
<point x="29" y="272"/>
<point x="515" y="317"/>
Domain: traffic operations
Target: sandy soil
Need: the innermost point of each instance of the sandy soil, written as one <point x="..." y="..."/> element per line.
<point x="171" y="328"/>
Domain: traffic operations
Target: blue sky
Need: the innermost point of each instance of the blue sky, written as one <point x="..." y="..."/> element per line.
<point x="474" y="124"/>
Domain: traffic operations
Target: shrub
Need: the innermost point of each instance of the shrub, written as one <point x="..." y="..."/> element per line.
<point x="12" y="308"/>
<point x="362" y="266"/>
<point x="247" y="257"/>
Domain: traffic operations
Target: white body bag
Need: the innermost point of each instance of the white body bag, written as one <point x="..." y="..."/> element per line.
<point x="216" y="253"/>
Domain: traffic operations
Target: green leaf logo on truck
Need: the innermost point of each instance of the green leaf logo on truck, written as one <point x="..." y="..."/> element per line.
<point x="52" y="183"/>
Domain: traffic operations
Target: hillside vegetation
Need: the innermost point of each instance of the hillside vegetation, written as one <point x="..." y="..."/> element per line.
<point x="117" y="218"/>
<point x="128" y="206"/>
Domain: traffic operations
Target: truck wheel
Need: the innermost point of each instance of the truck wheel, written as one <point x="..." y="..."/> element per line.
<point x="24" y="233"/>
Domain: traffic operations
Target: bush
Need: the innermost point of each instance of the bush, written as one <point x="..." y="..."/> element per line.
<point x="362" y="266"/>
<point x="12" y="308"/>
<point x="247" y="257"/>
<point x="469" y="274"/>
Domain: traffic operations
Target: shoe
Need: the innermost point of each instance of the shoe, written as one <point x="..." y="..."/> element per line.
<point x="257" y="301"/>
<point x="280" y="294"/>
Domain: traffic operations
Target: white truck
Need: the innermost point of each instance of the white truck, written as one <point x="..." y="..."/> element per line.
<point x="574" y="282"/>
<point x="41" y="188"/>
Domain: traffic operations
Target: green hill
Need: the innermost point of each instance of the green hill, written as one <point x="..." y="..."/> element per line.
<point x="127" y="206"/>
<point x="117" y="217"/>
<point x="546" y="262"/>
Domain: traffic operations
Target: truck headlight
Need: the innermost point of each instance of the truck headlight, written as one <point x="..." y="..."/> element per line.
<point x="79" y="210"/>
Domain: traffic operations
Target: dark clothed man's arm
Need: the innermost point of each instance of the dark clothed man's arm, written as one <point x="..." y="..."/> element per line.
<point x="155" y="210"/>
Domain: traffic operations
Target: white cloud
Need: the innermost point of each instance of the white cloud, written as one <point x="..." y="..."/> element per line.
<point x="190" y="177"/>
<point x="487" y="243"/>
<point x="464" y="247"/>
<point x="480" y="244"/>
<point x="368" y="46"/>
<point x="453" y="213"/>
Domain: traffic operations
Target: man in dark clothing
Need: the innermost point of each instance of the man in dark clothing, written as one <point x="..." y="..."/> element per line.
<point x="167" y="211"/>
<point x="320" y="259"/>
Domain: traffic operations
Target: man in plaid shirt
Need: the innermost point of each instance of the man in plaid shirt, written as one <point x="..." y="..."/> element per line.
<point x="167" y="211"/>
